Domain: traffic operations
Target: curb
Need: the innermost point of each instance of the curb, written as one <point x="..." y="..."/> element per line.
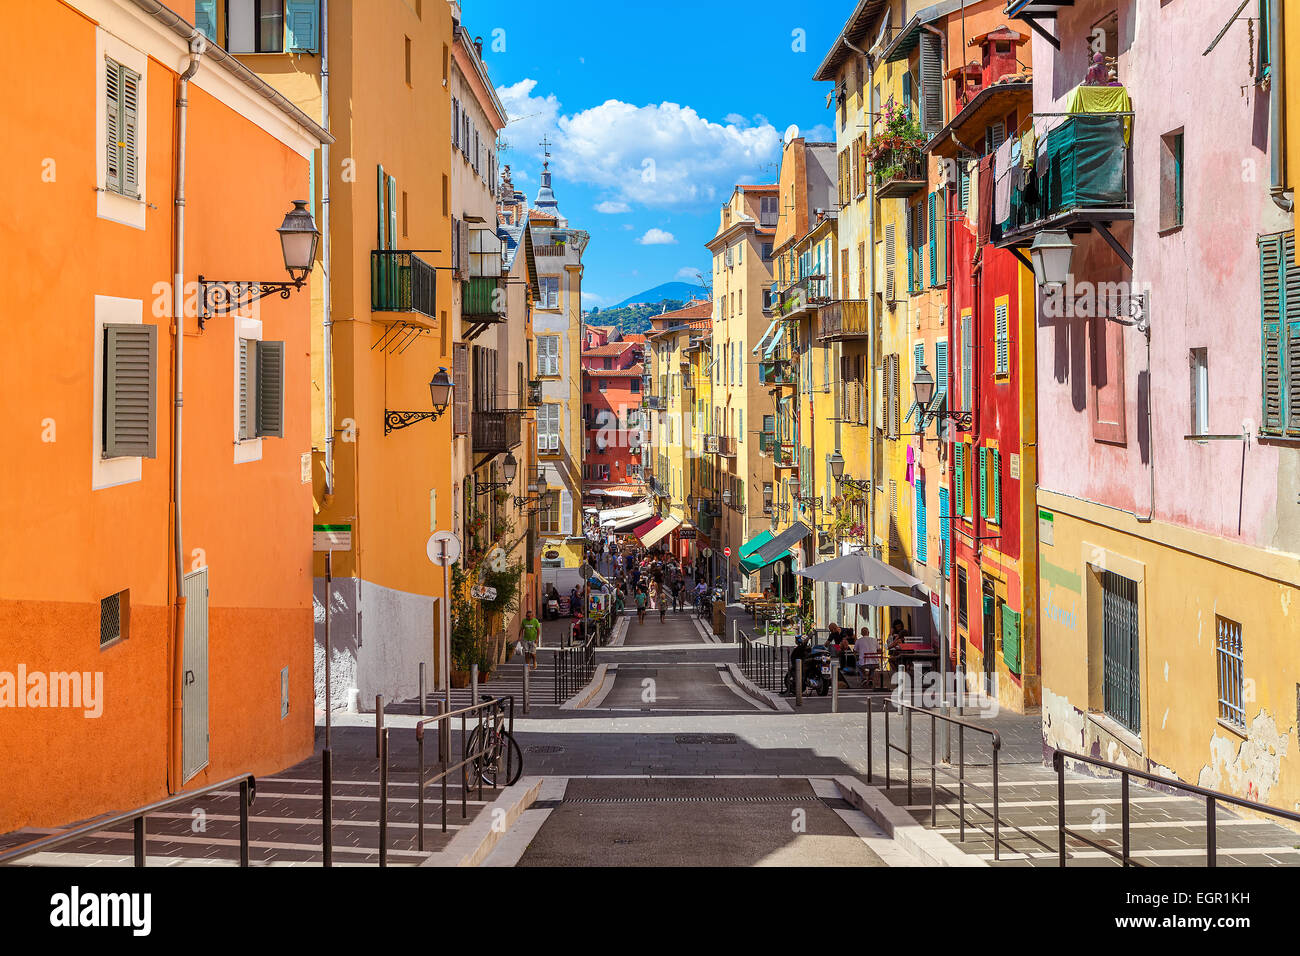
<point x="926" y="847"/>
<point x="471" y="846"/>
<point x="584" y="697"/>
<point x="751" y="689"/>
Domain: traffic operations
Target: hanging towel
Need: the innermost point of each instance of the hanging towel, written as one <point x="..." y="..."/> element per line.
<point x="1002" y="192"/>
<point x="973" y="191"/>
<point x="1028" y="143"/>
<point x="986" y="199"/>
<point x="1102" y="99"/>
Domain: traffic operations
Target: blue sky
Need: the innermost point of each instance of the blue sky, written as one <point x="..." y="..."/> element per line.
<point x="655" y="110"/>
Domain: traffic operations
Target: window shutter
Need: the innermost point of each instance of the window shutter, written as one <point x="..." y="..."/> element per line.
<point x="566" y="512"/>
<point x="112" y="125"/>
<point x="247" y="361"/>
<point x="910" y="224"/>
<point x="959" y="478"/>
<point x="934" y="243"/>
<point x="1003" y="342"/>
<point x="931" y="66"/>
<point x="890" y="254"/>
<point x="940" y="371"/>
<point x="921" y="545"/>
<point x="1011" y="639"/>
<point x="205" y="18"/>
<point x="270" y="389"/>
<point x="1270" y="277"/>
<point x="996" y="464"/>
<point x="965" y="186"/>
<point x="461" y="386"/>
<point x="967" y="360"/>
<point x="462" y="240"/>
<point x="984" y="483"/>
<point x="381" y="217"/>
<point x="945" y="531"/>
<point x="130" y="384"/>
<point x="300" y="26"/>
<point x="455" y="122"/>
<point x="392" y="212"/>
<point x="130" y="126"/>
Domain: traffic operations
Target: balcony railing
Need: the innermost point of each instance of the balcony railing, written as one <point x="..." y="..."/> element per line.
<point x="767" y="442"/>
<point x="654" y="402"/>
<point x="402" y="282"/>
<point x="785" y="455"/>
<point x="534" y="392"/>
<point x="845" y="319"/>
<point x="899" y="172"/>
<point x="483" y="299"/>
<point x="496" y="431"/>
<point x="779" y="372"/>
<point x="727" y="446"/>
<point x="1086" y="163"/>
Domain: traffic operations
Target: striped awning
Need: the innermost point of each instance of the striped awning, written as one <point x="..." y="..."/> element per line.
<point x="656" y="533"/>
<point x="766" y="335"/>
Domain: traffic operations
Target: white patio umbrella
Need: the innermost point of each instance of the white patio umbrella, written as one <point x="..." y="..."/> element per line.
<point x="884" y="597"/>
<point x="859" y="568"/>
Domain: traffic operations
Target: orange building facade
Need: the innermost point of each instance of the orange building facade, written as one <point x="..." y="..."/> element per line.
<point x="137" y="659"/>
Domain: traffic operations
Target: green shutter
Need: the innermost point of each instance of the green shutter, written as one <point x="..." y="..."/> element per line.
<point x="934" y="243"/>
<point x="996" y="504"/>
<point x="382" y="216"/>
<point x="270" y="389"/>
<point x="945" y="532"/>
<point x="1011" y="639"/>
<point x="130" y="386"/>
<point x="965" y="186"/>
<point x="984" y="483"/>
<point x="300" y="24"/>
<point x="911" y="249"/>
<point x="392" y="212"/>
<point x="1271" y="304"/>
<point x="922" y="547"/>
<point x="959" y="478"/>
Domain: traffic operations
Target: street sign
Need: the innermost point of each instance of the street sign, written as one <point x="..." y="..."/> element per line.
<point x="707" y="552"/>
<point x="483" y="593"/>
<point x="443" y="554"/>
<point x="726" y="552"/>
<point x="332" y="537"/>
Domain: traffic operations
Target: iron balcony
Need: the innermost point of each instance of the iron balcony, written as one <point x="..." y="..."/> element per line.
<point x="402" y="282"/>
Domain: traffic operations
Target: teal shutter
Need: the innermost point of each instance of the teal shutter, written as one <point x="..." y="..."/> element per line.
<point x="382" y="216"/>
<point x="270" y="389"/>
<point x="945" y="532"/>
<point x="940" y="369"/>
<point x="959" y="477"/>
<point x="907" y="93"/>
<point x="205" y="18"/>
<point x="392" y="212"/>
<point x="911" y="250"/>
<point x="1011" y="639"/>
<point x="965" y="186"/>
<point x="934" y="243"/>
<point x="921" y="547"/>
<point x="984" y="483"/>
<point x="996" y="504"/>
<point x="300" y="26"/>
<point x="1272" y="308"/>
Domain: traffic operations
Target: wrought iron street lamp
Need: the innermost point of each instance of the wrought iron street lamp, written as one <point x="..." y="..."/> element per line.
<point x="1051" y="252"/>
<point x="440" y="389"/>
<point x="298" y="240"/>
<point x="923" y="391"/>
<point x="837" y="465"/>
<point x="537" y="491"/>
<point x="509" y="468"/>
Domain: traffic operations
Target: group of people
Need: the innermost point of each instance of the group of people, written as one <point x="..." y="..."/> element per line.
<point x="649" y="580"/>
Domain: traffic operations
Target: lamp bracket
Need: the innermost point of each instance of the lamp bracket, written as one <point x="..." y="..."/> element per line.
<point x="221" y="297"/>
<point x="393" y="420"/>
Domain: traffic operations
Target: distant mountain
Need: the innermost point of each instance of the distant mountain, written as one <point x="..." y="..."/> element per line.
<point x="678" y="291"/>
<point x="632" y="318"/>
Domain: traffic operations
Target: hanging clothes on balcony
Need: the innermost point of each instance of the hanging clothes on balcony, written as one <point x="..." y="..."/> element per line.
<point x="973" y="206"/>
<point x="1028" y="146"/>
<point x="986" y="200"/>
<point x="1002" y="187"/>
<point x="1102" y="99"/>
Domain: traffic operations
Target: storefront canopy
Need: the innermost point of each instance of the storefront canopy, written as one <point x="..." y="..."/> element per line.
<point x="651" y="535"/>
<point x="624" y="519"/>
<point x="750" y="561"/>
<point x="776" y="340"/>
<point x="784" y="541"/>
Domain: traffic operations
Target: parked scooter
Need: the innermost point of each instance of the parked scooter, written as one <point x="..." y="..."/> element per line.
<point x="816" y="667"/>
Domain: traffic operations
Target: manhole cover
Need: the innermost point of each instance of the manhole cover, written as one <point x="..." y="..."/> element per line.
<point x="722" y="738"/>
<point x="705" y="738"/>
<point x="545" y="749"/>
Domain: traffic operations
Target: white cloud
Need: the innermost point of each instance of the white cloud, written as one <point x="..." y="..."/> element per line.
<point x="657" y="237"/>
<point x="687" y="272"/>
<point x="821" y="133"/>
<point x="657" y="155"/>
<point x="612" y="207"/>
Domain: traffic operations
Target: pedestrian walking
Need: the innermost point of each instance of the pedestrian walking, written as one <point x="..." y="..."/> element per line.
<point x="641" y="599"/>
<point x="530" y="633"/>
<point x="662" y="601"/>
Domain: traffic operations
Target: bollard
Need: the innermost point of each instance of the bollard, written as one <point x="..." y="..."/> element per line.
<point x="383" y="800"/>
<point x="798" y="682"/>
<point x="421" y="688"/>
<point x="473" y="684"/>
<point x="835" y="687"/>
<point x="379" y="725"/>
<point x="526" y="685"/>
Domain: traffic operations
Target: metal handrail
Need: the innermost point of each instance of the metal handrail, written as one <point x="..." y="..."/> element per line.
<point x="247" y="792"/>
<point x="1212" y="799"/>
<point x="500" y="708"/>
<point x="995" y="739"/>
<point x="761" y="662"/>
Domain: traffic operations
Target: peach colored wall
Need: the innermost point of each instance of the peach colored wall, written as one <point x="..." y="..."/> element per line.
<point x="67" y="546"/>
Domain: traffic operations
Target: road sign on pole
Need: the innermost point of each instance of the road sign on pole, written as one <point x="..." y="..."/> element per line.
<point x="443" y="549"/>
<point x="726" y="552"/>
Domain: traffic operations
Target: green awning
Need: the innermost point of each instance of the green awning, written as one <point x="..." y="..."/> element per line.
<point x="754" y="543"/>
<point x="755" y="561"/>
<point x="749" y="558"/>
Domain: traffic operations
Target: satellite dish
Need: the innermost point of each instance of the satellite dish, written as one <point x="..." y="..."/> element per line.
<point x="791" y="133"/>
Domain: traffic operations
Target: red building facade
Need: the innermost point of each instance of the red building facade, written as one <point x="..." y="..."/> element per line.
<point x="612" y="417"/>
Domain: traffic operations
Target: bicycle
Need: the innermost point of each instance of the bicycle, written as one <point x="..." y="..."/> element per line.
<point x="499" y="743"/>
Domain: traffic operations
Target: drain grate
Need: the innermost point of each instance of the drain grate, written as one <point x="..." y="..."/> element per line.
<point x="755" y="798"/>
<point x="545" y="749"/>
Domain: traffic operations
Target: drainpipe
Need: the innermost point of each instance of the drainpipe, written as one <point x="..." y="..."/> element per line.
<point x="1278" y="189"/>
<point x="197" y="47"/>
<point x="327" y="347"/>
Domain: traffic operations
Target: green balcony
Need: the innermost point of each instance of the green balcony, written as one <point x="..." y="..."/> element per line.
<point x="483" y="300"/>
<point x="402" y="282"/>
